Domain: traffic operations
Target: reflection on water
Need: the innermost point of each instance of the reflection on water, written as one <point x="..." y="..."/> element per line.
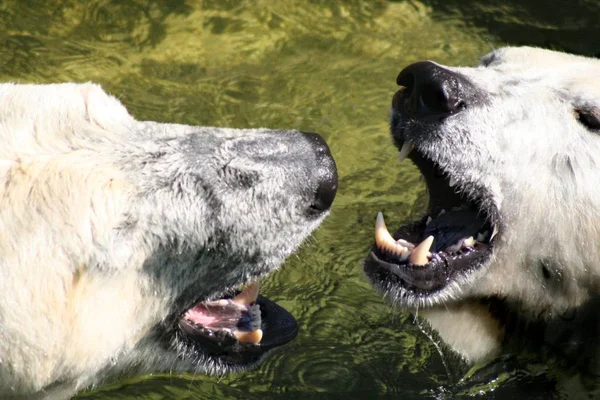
<point x="319" y="66"/>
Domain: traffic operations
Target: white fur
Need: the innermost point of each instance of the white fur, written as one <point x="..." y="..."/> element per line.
<point x="106" y="222"/>
<point x="523" y="143"/>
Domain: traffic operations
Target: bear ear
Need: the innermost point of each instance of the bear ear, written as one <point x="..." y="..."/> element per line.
<point x="103" y="109"/>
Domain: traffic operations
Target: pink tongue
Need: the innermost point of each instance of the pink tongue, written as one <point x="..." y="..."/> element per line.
<point x="224" y="313"/>
<point x="228" y="313"/>
<point x="201" y="315"/>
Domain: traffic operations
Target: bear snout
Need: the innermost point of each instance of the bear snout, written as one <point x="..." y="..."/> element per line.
<point x="432" y="92"/>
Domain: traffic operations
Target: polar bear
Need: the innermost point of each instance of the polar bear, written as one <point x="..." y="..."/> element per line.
<point x="510" y="153"/>
<point x="129" y="246"/>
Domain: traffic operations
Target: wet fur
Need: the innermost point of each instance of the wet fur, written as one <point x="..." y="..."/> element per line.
<point x="522" y="143"/>
<point x="109" y="224"/>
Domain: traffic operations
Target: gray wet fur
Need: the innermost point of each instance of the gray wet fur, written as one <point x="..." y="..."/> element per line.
<point x="249" y="190"/>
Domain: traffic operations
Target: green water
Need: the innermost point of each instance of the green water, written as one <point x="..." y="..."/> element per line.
<point x="320" y="66"/>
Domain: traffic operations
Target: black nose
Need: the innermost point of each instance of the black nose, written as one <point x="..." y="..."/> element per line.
<point x="325" y="173"/>
<point x="432" y="91"/>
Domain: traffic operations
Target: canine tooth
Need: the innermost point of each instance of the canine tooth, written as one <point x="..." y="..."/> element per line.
<point x="494" y="232"/>
<point x="405" y="151"/>
<point x="452" y="182"/>
<point x="383" y="239"/>
<point x="480" y="237"/>
<point x="253" y="337"/>
<point x="429" y="219"/>
<point x="419" y="254"/>
<point x="382" y="235"/>
<point x="442" y="212"/>
<point x="248" y="295"/>
<point x="469" y="242"/>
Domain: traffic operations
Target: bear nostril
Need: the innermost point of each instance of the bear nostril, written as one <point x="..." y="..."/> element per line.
<point x="325" y="173"/>
<point x="324" y="195"/>
<point x="432" y="100"/>
<point x="408" y="81"/>
<point x="431" y="90"/>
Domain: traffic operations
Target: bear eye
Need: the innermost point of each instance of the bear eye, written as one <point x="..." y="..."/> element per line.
<point x="589" y="118"/>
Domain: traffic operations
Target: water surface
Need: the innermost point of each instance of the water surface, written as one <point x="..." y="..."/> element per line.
<point x="318" y="66"/>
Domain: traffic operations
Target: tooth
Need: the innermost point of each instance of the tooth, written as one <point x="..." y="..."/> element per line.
<point x="453" y="249"/>
<point x="429" y="219"/>
<point x="406" y="244"/>
<point x="419" y="254"/>
<point x="442" y="212"/>
<point x="452" y="182"/>
<point x="253" y="337"/>
<point x="404" y="256"/>
<point x="382" y="235"/>
<point x="248" y="295"/>
<point x="469" y="242"/>
<point x="405" y="151"/>
<point x="480" y="237"/>
<point x="383" y="239"/>
<point x="254" y="310"/>
<point x="494" y="232"/>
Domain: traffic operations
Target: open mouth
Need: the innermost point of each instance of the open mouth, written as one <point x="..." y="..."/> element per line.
<point x="239" y="328"/>
<point x="455" y="237"/>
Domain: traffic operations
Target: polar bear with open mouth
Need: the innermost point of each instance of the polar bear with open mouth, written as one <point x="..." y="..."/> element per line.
<point x="124" y="245"/>
<point x="510" y="152"/>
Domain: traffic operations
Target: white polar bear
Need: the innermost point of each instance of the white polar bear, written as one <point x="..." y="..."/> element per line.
<point x="123" y="243"/>
<point x="510" y="152"/>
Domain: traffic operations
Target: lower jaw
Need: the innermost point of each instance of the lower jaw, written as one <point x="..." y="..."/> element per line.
<point x="422" y="286"/>
<point x="407" y="267"/>
<point x="278" y="326"/>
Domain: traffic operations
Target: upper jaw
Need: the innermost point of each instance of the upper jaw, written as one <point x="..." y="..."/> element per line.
<point x="427" y="145"/>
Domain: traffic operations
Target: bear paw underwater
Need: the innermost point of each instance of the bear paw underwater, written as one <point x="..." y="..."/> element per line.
<point x="132" y="247"/>
<point x="509" y="152"/>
